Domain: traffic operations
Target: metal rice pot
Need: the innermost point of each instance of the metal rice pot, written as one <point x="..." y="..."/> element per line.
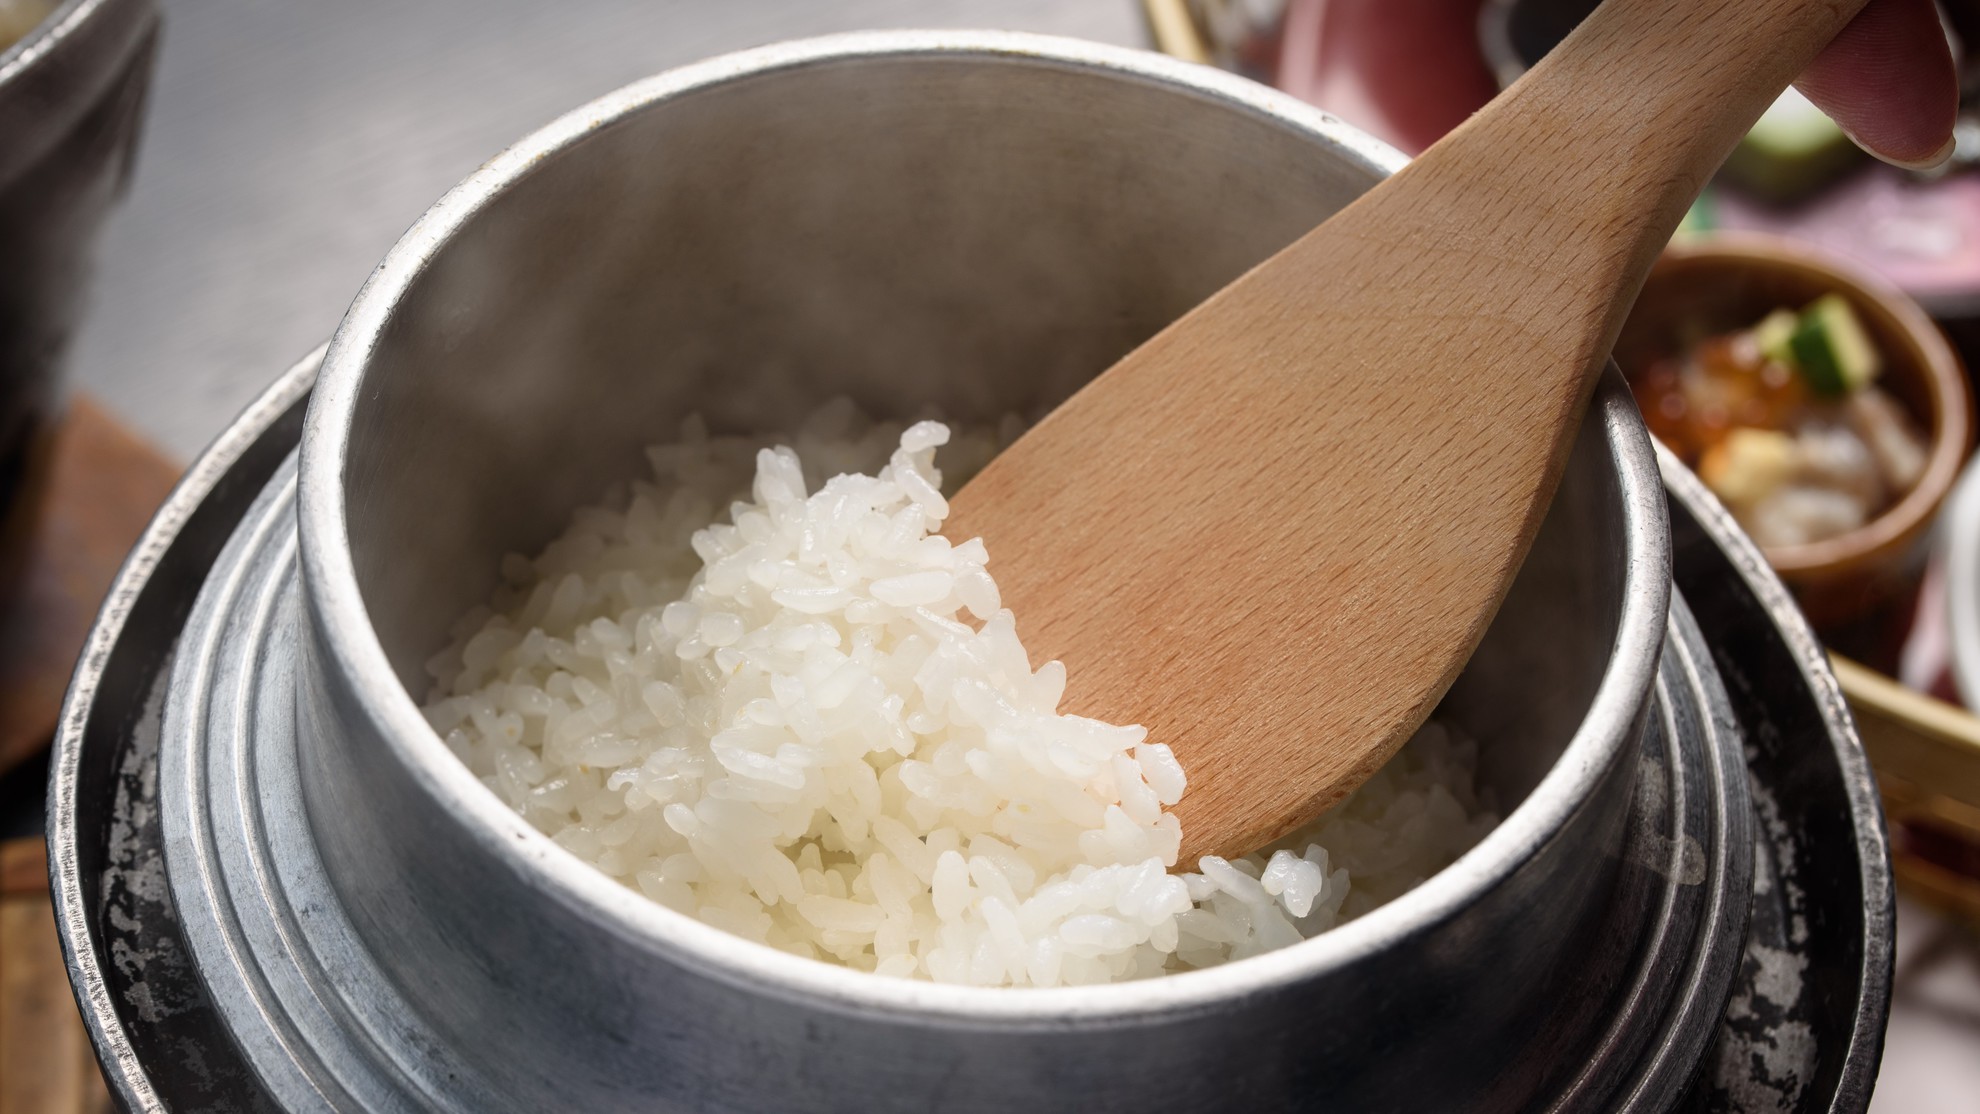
<point x="978" y="225"/>
<point x="973" y="222"/>
<point x="71" y="98"/>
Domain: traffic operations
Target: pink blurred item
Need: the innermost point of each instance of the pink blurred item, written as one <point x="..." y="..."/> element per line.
<point x="1405" y="70"/>
<point x="1923" y="236"/>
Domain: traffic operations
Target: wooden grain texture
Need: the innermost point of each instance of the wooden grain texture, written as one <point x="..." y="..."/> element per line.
<point x="1927" y="756"/>
<point x="1174" y="30"/>
<point x="23" y="868"/>
<point x="1274" y="533"/>
<point x="1914" y="737"/>
<point x="105" y="484"/>
<point x="46" y="1065"/>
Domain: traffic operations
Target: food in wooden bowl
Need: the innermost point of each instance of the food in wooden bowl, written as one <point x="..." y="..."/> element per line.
<point x="1820" y="404"/>
<point x="1785" y="422"/>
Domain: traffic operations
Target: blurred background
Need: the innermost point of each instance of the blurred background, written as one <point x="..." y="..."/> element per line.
<point x="290" y="144"/>
<point x="257" y="158"/>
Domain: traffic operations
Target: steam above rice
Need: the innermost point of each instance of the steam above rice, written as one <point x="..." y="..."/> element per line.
<point x="813" y="725"/>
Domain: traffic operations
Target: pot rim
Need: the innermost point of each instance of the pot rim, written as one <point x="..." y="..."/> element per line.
<point x="347" y="642"/>
<point x="60" y="69"/>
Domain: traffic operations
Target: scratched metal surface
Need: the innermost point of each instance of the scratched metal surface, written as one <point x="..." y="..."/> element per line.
<point x="290" y="142"/>
<point x="1803" y="1032"/>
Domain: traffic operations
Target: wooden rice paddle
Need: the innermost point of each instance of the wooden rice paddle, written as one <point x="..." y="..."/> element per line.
<point x="1275" y="532"/>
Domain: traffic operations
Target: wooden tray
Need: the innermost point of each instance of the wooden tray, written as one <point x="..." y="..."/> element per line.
<point x="104" y="485"/>
<point x="1927" y="756"/>
<point x="46" y="1064"/>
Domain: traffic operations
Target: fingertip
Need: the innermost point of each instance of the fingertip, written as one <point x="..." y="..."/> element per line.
<point x="1888" y="80"/>
<point x="1933" y="161"/>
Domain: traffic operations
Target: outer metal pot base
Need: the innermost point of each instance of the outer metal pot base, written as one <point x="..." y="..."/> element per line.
<point x="293" y="1012"/>
<point x="324" y="1029"/>
<point x="1805" y="1027"/>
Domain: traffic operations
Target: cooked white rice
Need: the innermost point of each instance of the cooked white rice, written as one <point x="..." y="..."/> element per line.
<point x="812" y="724"/>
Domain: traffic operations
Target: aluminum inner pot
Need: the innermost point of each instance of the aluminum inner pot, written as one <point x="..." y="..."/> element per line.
<point x="976" y="223"/>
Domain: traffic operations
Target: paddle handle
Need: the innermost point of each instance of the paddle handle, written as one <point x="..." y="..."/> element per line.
<point x="1621" y="125"/>
<point x="1671" y="85"/>
<point x="1471" y="301"/>
<point x="1276" y="531"/>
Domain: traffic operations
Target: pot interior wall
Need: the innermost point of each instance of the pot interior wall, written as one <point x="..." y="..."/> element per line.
<point x="921" y="234"/>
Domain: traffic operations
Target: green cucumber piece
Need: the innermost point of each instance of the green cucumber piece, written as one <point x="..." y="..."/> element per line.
<point x="1832" y="349"/>
<point x="1774" y="336"/>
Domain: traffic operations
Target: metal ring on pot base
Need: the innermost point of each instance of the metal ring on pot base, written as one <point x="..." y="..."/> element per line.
<point x="164" y="1046"/>
<point x="325" y="1030"/>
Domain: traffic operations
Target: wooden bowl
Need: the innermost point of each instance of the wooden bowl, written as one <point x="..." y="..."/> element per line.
<point x="1717" y="284"/>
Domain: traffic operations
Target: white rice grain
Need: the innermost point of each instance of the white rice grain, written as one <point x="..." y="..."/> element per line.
<point x="812" y="724"/>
